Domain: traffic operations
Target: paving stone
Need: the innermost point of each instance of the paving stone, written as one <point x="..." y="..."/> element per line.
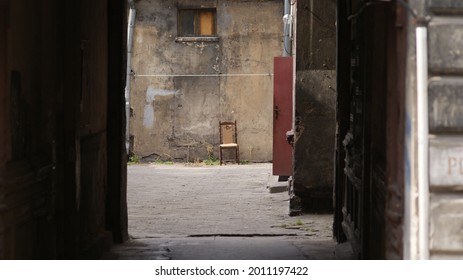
<point x="217" y="212"/>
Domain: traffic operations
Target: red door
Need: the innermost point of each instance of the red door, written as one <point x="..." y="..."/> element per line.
<point x="282" y="115"/>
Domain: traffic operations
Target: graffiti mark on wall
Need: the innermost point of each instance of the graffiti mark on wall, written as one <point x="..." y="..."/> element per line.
<point x="149" y="109"/>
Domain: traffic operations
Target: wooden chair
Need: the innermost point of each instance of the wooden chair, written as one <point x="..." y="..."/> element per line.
<point x="228" y="140"/>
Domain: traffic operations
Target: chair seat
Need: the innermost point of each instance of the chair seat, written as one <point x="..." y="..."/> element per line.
<point x="229" y="145"/>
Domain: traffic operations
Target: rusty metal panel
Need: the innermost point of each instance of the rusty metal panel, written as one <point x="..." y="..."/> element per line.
<point x="282" y="115"/>
<point x="446" y="161"/>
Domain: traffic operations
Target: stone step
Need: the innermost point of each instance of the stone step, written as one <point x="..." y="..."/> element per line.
<point x="277" y="187"/>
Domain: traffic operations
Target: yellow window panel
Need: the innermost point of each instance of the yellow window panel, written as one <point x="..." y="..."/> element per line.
<point x="206" y="23"/>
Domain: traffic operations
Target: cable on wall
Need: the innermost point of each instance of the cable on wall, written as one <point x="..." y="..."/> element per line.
<point x="203" y="75"/>
<point x="376" y="2"/>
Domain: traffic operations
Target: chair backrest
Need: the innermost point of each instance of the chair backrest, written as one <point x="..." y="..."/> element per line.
<point x="228" y="132"/>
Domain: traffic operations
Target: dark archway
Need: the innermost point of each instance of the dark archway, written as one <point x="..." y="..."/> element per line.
<point x="62" y="166"/>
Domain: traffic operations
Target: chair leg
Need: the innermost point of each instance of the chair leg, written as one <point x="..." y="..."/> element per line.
<point x="220" y="156"/>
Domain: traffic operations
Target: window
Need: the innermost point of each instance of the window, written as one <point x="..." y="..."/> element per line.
<point x="196" y="23"/>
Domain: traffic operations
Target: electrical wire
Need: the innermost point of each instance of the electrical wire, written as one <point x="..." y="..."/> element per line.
<point x="205" y="75"/>
<point x="365" y="5"/>
<point x="409" y="9"/>
<point x="321" y="21"/>
<point x="375" y="2"/>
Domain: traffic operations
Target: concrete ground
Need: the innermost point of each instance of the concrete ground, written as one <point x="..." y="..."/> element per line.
<point x="217" y="212"/>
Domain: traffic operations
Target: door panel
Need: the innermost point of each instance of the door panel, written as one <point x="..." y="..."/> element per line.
<point x="282" y="115"/>
<point x="3" y="78"/>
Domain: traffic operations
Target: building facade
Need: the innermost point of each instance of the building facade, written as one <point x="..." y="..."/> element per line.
<point x="197" y="62"/>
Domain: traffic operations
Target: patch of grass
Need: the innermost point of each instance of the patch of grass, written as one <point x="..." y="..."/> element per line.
<point x="133" y="159"/>
<point x="245" y="162"/>
<point x="299" y="222"/>
<point x="211" y="161"/>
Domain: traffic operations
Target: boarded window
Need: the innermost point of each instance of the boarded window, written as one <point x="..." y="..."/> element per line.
<point x="196" y="22"/>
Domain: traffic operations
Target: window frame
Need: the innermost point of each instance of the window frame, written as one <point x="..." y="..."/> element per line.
<point x="182" y="37"/>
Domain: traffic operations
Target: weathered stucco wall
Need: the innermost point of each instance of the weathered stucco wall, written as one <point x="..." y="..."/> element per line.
<point x="315" y="98"/>
<point x="176" y="116"/>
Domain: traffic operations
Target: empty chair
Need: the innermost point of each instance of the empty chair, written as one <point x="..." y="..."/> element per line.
<point x="228" y="139"/>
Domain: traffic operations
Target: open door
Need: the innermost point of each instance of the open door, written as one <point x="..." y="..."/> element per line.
<point x="282" y="115"/>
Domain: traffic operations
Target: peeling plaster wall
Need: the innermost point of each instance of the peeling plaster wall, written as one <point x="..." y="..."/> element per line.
<point x="176" y="117"/>
<point x="315" y="102"/>
<point x="315" y="97"/>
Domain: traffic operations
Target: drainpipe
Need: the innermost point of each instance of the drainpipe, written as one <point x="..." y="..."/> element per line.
<point x="422" y="139"/>
<point x="287" y="22"/>
<point x="130" y="27"/>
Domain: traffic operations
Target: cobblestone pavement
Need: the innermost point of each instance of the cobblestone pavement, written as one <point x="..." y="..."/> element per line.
<point x="216" y="212"/>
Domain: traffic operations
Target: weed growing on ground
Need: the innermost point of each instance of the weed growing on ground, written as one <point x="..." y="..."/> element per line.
<point x="211" y="161"/>
<point x="133" y="159"/>
<point x="250" y="149"/>
<point x="197" y="162"/>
